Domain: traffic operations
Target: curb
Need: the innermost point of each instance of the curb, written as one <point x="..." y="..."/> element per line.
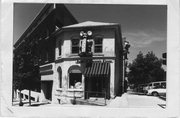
<point x="162" y="97"/>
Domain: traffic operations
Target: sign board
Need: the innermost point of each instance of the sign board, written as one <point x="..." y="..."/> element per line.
<point x="83" y="46"/>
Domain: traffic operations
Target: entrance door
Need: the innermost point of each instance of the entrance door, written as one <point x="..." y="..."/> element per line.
<point x="46" y="86"/>
<point x="49" y="90"/>
<point x="97" y="87"/>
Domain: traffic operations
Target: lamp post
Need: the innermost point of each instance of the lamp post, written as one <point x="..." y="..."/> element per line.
<point x="86" y="44"/>
<point x="85" y="48"/>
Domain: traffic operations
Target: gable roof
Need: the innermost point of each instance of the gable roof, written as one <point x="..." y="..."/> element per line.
<point x="89" y="24"/>
<point x="60" y="12"/>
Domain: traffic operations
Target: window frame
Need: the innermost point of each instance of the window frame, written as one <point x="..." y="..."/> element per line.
<point x="98" y="45"/>
<point x="72" y="46"/>
<point x="46" y="56"/>
<point x="59" y="70"/>
<point x="71" y="82"/>
<point x="59" y="48"/>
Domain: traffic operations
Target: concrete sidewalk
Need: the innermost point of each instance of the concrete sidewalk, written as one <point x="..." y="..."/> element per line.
<point x="33" y="103"/>
<point x="119" y="102"/>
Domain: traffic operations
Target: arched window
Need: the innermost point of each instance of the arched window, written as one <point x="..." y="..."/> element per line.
<point x="75" y="77"/>
<point x="60" y="76"/>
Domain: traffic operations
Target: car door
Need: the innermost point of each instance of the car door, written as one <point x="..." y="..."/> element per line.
<point x="161" y="91"/>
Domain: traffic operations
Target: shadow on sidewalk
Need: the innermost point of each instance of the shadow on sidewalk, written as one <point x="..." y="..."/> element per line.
<point x="136" y="93"/>
<point x="162" y="105"/>
<point x="162" y="97"/>
<point x="38" y="104"/>
<point x="95" y="102"/>
<point x="26" y="103"/>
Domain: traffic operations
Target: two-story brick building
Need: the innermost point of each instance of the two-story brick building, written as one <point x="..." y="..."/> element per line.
<point x="82" y="71"/>
<point x="76" y="60"/>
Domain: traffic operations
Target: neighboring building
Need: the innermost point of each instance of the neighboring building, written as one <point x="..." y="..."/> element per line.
<point x="38" y="38"/>
<point x="76" y="60"/>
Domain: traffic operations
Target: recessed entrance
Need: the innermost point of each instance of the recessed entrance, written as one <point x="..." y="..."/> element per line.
<point x="97" y="80"/>
<point x="46" y="87"/>
<point x="97" y="87"/>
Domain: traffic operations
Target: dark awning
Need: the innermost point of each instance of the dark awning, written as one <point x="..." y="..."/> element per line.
<point x="97" y="69"/>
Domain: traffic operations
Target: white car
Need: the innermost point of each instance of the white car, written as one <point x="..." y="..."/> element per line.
<point x="156" y="91"/>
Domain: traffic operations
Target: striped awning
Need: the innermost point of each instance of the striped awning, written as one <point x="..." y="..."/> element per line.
<point x="97" y="69"/>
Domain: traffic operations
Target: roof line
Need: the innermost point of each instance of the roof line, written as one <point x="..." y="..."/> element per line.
<point x="89" y="24"/>
<point x="39" y="14"/>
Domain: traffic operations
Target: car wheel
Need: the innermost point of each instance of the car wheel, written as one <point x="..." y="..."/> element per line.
<point x="155" y="93"/>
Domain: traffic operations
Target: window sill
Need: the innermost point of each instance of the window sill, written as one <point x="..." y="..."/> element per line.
<point x="59" y="89"/>
<point x="59" y="57"/>
<point x="74" y="54"/>
<point x="98" y="54"/>
<point x="75" y="90"/>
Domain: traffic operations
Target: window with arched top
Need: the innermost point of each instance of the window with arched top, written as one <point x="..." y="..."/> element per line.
<point x="59" y="70"/>
<point x="75" y="77"/>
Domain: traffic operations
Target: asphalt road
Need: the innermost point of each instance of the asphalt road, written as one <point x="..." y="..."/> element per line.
<point x="139" y="100"/>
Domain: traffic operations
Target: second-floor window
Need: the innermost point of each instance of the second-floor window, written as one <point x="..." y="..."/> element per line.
<point x="75" y="46"/>
<point x="46" y="56"/>
<point x="98" y="44"/>
<point x="59" y="46"/>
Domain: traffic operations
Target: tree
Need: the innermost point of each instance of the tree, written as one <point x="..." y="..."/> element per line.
<point x="145" y="69"/>
<point x="25" y="74"/>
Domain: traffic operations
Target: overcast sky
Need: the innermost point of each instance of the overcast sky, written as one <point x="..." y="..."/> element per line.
<point x="145" y="27"/>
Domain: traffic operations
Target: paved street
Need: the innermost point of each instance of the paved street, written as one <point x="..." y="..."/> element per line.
<point x="127" y="100"/>
<point x="140" y="100"/>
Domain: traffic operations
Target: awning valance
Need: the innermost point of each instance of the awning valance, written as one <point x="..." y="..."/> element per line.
<point x="97" y="69"/>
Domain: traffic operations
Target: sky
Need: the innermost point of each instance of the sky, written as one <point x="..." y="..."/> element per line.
<point x="144" y="26"/>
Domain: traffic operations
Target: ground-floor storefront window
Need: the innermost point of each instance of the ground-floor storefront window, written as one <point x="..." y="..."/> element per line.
<point x="75" y="77"/>
<point x="75" y="80"/>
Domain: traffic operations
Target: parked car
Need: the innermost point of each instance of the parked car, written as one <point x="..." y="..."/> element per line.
<point x="140" y="88"/>
<point x="157" y="91"/>
<point x="153" y="85"/>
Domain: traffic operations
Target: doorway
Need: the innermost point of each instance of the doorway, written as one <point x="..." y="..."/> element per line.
<point x="47" y="89"/>
<point x="97" y="87"/>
